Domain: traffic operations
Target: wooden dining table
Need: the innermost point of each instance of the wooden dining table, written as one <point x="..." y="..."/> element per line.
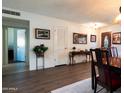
<point x="115" y="66"/>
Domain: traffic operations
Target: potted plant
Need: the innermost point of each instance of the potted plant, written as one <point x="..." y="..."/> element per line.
<point x="39" y="50"/>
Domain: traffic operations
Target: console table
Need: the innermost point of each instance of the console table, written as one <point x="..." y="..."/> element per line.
<point x="72" y="54"/>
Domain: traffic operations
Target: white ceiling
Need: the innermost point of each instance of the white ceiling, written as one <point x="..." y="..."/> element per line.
<point x="81" y="11"/>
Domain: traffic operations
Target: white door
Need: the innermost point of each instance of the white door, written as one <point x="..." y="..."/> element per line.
<point x="60" y="45"/>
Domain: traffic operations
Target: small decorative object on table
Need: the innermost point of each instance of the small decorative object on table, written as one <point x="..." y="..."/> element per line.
<point x="39" y="51"/>
<point x="73" y="48"/>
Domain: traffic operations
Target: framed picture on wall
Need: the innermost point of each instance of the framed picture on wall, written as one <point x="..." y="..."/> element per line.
<point x="106" y="39"/>
<point x="116" y="38"/>
<point x="79" y="38"/>
<point x="42" y="33"/>
<point x="92" y="38"/>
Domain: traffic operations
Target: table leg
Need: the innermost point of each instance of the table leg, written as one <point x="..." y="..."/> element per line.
<point x="89" y="57"/>
<point x="86" y="57"/>
<point x="36" y="63"/>
<point x="43" y="62"/>
<point x="72" y="60"/>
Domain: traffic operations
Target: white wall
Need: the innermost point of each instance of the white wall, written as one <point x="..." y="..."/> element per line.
<point x="44" y="22"/>
<point x="112" y="29"/>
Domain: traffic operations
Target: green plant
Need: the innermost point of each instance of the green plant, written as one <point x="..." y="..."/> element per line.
<point x="40" y="48"/>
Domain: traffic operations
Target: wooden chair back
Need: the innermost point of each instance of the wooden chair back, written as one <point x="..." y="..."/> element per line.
<point x="101" y="65"/>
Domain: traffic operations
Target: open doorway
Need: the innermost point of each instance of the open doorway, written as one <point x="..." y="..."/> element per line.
<point x="15" y="46"/>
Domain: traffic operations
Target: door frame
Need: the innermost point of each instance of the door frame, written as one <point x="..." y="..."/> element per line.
<point x="5" y="44"/>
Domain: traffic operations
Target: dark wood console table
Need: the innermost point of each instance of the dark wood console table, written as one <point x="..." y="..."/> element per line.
<point x="72" y="54"/>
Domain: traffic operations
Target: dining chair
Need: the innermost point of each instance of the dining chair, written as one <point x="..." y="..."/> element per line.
<point x="101" y="72"/>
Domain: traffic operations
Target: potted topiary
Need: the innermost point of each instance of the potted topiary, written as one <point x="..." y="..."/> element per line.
<point x="39" y="50"/>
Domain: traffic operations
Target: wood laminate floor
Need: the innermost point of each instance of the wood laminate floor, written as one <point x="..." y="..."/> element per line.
<point x="43" y="81"/>
<point x="14" y="68"/>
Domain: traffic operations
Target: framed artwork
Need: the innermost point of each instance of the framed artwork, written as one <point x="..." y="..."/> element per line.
<point x="92" y="38"/>
<point x="106" y="39"/>
<point x="116" y="38"/>
<point x="42" y="33"/>
<point x="79" y="38"/>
